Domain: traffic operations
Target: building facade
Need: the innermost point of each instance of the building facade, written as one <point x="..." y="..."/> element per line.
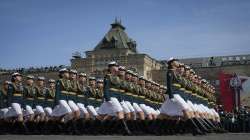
<point x="116" y="46"/>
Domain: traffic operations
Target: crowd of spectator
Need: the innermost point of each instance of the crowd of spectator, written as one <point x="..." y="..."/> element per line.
<point x="32" y="69"/>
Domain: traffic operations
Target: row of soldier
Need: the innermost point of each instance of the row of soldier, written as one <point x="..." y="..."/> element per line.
<point x="76" y="86"/>
<point x="117" y="108"/>
<point x="193" y="86"/>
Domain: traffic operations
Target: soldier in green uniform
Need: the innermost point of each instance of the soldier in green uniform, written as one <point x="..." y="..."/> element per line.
<point x="15" y="89"/>
<point x="180" y="79"/>
<point x="29" y="91"/>
<point x="62" y="85"/>
<point x="73" y="85"/>
<point x="111" y="105"/>
<point x="142" y="88"/>
<point x="91" y="91"/>
<point x="162" y="91"/>
<point x="82" y="88"/>
<point x="156" y="95"/>
<point x="187" y="83"/>
<point x="123" y="82"/>
<point x="148" y="91"/>
<point x="128" y="86"/>
<point x="135" y="85"/>
<point x="115" y="84"/>
<point x="4" y="95"/>
<point x="50" y="98"/>
<point x="174" y="107"/>
<point x="41" y="91"/>
<point x="99" y="91"/>
<point x="15" y="100"/>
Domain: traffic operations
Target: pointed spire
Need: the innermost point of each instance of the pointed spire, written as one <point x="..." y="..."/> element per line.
<point x="118" y="23"/>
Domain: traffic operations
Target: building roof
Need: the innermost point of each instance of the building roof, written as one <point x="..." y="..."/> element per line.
<point x="116" y="38"/>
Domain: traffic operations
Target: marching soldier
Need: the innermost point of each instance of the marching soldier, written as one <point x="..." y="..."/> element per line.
<point x="174" y="106"/>
<point x="99" y="94"/>
<point x="73" y="85"/>
<point x="4" y="95"/>
<point x="142" y="88"/>
<point x="148" y="91"/>
<point x="135" y="85"/>
<point x="29" y="91"/>
<point x="123" y="83"/>
<point x="91" y="91"/>
<point x="15" y="89"/>
<point x="128" y="86"/>
<point x="50" y="98"/>
<point x="62" y="85"/>
<point x="111" y="105"/>
<point x="41" y="91"/>
<point x="82" y="88"/>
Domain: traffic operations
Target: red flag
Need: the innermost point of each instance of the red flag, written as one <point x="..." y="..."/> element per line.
<point x="226" y="92"/>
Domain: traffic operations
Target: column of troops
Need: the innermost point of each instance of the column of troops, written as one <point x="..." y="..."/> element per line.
<point x="121" y="103"/>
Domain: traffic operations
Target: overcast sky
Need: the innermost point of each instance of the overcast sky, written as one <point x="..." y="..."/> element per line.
<point x="47" y="32"/>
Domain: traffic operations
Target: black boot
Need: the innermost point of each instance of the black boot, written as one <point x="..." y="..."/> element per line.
<point x="75" y="128"/>
<point x="201" y="126"/>
<point x="193" y="128"/>
<point x="122" y="128"/>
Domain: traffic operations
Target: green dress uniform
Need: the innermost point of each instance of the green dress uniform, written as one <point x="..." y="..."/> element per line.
<point x="171" y="80"/>
<point x="142" y="94"/>
<point x="136" y="90"/>
<point x="123" y="87"/>
<point x="41" y="93"/>
<point x="91" y="96"/>
<point x="129" y="89"/>
<point x="153" y="99"/>
<point x="81" y="93"/>
<point x="50" y="97"/>
<point x="29" y="95"/>
<point x="73" y="91"/>
<point x="99" y="96"/>
<point x="188" y="90"/>
<point x="147" y="95"/>
<point x="114" y="86"/>
<point x="174" y="87"/>
<point x="182" y="82"/>
<point x="3" y="99"/>
<point x="62" y="89"/>
<point x="15" y="93"/>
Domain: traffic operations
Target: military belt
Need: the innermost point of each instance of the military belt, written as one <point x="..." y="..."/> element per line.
<point x="17" y="94"/>
<point x="64" y="92"/>
<point x="99" y="100"/>
<point x="71" y="93"/>
<point x="177" y="85"/>
<point x="188" y="91"/>
<point x="91" y="98"/>
<point x="40" y="98"/>
<point x="182" y="89"/>
<point x="143" y="97"/>
<point x="80" y="95"/>
<point x="114" y="89"/>
<point x="128" y="93"/>
<point x="121" y="90"/>
<point x="134" y="95"/>
<point x="51" y="100"/>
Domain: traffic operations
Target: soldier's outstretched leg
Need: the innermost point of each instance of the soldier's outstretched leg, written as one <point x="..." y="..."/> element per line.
<point x="191" y="126"/>
<point x="121" y="127"/>
<point x="201" y="125"/>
